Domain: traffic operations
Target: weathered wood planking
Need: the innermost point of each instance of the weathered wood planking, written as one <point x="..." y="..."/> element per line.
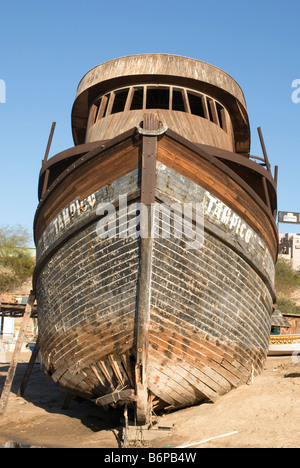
<point x="153" y="322"/>
<point x="219" y="183"/>
<point x="87" y="305"/>
<point x="192" y="127"/>
<point x="162" y="70"/>
<point x="218" y="179"/>
<point x="86" y="176"/>
<point x="208" y="329"/>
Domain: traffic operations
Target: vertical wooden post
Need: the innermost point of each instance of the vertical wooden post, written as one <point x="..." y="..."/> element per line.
<point x="49" y="142"/>
<point x="142" y="329"/>
<point x="29" y="368"/>
<point x="148" y="182"/>
<point x="14" y="361"/>
<point x="2" y="325"/>
<point x="276" y="174"/>
<point x="264" y="149"/>
<point x="47" y="172"/>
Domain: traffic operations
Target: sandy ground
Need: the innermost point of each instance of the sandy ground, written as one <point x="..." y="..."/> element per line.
<point x="264" y="414"/>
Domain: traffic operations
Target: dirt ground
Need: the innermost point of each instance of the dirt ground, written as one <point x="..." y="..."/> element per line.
<point x="265" y="414"/>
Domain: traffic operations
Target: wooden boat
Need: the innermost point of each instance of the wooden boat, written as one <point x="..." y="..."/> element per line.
<point x="284" y="345"/>
<point x="150" y="320"/>
<point x="281" y="341"/>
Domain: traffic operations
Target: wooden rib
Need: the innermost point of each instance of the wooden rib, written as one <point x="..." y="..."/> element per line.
<point x="92" y="382"/>
<point x="125" y="342"/>
<point x="99" y="376"/>
<point x="108" y="374"/>
<point x="116" y="365"/>
<point x="127" y="364"/>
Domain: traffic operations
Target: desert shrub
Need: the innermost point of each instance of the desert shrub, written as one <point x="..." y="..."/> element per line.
<point x="16" y="262"/>
<point x="286" y="279"/>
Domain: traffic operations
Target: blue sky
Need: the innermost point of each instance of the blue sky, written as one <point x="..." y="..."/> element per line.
<point x="46" y="48"/>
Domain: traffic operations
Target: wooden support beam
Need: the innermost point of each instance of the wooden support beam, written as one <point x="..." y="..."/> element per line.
<point x="126" y="395"/>
<point x="47" y="173"/>
<point x="276" y="174"/>
<point x="49" y="142"/>
<point x="2" y="325"/>
<point x="29" y="368"/>
<point x="68" y="398"/>
<point x="14" y="361"/>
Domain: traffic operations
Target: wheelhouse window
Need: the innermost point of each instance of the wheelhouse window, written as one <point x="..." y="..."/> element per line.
<point x="158" y="97"/>
<point x="196" y="104"/>
<point x="178" y="101"/>
<point x="221" y="115"/>
<point x="119" y="101"/>
<point x="137" y="99"/>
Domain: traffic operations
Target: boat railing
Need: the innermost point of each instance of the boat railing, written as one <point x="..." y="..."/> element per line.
<point x="265" y="159"/>
<point x="258" y="158"/>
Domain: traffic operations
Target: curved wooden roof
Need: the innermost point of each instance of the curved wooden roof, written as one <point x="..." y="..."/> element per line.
<point x="162" y="68"/>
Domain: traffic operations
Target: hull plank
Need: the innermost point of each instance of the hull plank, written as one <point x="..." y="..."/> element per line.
<point x="90" y="323"/>
<point x="200" y="171"/>
<point x="168" y="319"/>
<point x="216" y="281"/>
<point x="201" y="340"/>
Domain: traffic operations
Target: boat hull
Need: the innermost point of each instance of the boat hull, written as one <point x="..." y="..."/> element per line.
<point x="205" y="325"/>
